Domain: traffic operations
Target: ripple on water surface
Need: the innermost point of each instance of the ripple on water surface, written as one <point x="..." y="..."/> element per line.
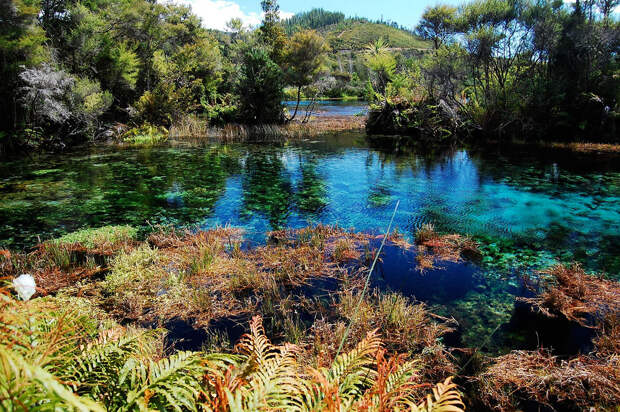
<point x="525" y="209"/>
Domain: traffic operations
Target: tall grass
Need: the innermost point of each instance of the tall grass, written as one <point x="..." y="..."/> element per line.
<point x="192" y="128"/>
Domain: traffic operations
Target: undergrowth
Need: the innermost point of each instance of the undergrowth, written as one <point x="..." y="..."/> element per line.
<point x="94" y="336"/>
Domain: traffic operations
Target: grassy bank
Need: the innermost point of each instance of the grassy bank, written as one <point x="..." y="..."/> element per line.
<point x="122" y="324"/>
<point x="193" y="128"/>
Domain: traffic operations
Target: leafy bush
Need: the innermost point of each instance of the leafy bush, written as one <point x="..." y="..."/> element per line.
<point x="145" y="135"/>
<point x="260" y="89"/>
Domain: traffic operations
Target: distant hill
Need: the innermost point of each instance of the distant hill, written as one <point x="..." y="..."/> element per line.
<point x="353" y="33"/>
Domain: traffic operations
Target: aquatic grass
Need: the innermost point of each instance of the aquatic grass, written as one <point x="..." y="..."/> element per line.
<point x="425" y="233"/>
<point x="305" y="297"/>
<point x="204" y="256"/>
<point x="102" y="238"/>
<point x="317" y="126"/>
<point x="189" y="126"/>
<point x="520" y="377"/>
<point x="57" y="255"/>
<point x="451" y="247"/>
<point x="345" y="249"/>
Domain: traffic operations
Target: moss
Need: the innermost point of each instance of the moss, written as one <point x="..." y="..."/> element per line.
<point x="96" y="238"/>
<point x="138" y="267"/>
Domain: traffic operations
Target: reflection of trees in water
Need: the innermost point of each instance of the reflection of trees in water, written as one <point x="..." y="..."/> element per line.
<point x="182" y="187"/>
<point x="267" y="187"/>
<point x="311" y="193"/>
<point x="128" y="187"/>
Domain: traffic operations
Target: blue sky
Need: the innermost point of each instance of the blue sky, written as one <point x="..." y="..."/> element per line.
<point x="215" y="13"/>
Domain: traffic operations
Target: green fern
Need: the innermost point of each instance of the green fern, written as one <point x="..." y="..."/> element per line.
<point x="24" y="386"/>
<point x="170" y="383"/>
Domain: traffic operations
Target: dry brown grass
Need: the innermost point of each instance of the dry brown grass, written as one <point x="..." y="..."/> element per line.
<point x="190" y="128"/>
<point x="584" y="381"/>
<point x="589" y="147"/>
<point x="432" y="246"/>
<point x="406" y="326"/>
<point x="580" y="297"/>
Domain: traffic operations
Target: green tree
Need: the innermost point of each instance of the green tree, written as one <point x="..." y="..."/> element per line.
<point x="271" y="32"/>
<point x="438" y="24"/>
<point x="260" y="89"/>
<point x="22" y="43"/>
<point x="304" y="56"/>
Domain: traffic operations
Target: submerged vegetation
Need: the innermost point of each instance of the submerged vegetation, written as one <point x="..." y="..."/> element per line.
<point x="108" y="341"/>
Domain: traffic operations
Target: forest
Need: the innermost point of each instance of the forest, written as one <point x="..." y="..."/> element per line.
<point x="488" y="70"/>
<point x="324" y="212"/>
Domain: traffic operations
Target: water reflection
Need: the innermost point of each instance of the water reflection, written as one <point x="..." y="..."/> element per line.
<point x="267" y="187"/>
<point x="524" y="207"/>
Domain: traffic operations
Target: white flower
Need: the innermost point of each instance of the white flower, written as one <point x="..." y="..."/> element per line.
<point x="25" y="286"/>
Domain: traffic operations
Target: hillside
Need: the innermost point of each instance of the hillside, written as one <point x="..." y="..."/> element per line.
<point x="353" y="33"/>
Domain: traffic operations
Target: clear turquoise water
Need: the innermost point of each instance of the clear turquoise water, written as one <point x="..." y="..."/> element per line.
<point x="527" y="210"/>
<point x="330" y="107"/>
<point x="535" y="208"/>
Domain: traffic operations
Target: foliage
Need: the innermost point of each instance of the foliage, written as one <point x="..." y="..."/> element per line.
<point x="304" y="57"/>
<point x="145" y="135"/>
<point x="56" y="101"/>
<point x="313" y="19"/>
<point x="271" y="32"/>
<point x="56" y="357"/>
<point x="65" y="352"/>
<point x="437" y="24"/>
<point x="510" y="69"/>
<point x="260" y="89"/>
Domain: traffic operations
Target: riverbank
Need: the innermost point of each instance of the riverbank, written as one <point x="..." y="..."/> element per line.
<point x="180" y="300"/>
<point x="190" y="129"/>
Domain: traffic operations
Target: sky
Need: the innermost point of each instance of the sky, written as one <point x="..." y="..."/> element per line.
<point x="216" y="13"/>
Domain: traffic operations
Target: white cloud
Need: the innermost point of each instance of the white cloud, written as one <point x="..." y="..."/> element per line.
<point x="216" y="13"/>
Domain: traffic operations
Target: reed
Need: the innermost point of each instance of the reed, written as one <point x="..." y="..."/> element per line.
<point x="194" y="129"/>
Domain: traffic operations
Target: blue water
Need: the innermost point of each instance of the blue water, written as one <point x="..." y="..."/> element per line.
<point x="330" y="107"/>
<point x="528" y="209"/>
<point x="555" y="205"/>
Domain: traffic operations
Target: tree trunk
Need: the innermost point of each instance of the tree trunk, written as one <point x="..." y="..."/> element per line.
<point x="297" y="105"/>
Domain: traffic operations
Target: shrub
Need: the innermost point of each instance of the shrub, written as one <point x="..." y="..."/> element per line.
<point x="260" y="89"/>
<point x="145" y="135"/>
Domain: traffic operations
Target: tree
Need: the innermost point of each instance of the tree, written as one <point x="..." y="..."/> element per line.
<point x="260" y="89"/>
<point x="304" y="56"/>
<point x="382" y="62"/>
<point x="60" y="103"/>
<point x="438" y="24"/>
<point x="22" y="43"/>
<point x="271" y="32"/>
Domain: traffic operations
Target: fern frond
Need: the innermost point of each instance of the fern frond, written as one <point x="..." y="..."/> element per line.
<point x="170" y="383"/>
<point x="445" y="398"/>
<point x="346" y="380"/>
<point x="27" y="386"/>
